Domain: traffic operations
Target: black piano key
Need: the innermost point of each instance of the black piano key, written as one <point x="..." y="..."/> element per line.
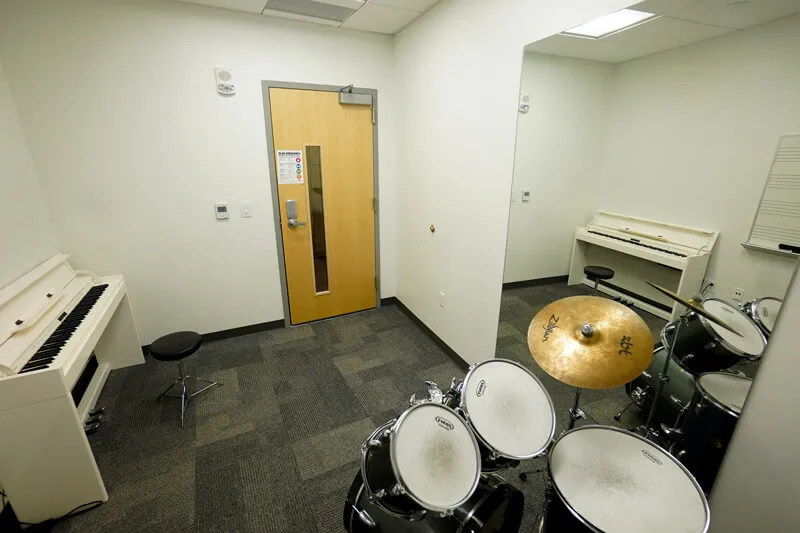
<point x="31" y="368"/>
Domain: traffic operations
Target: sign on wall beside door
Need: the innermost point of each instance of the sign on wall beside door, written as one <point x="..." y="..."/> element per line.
<point x="290" y="167"/>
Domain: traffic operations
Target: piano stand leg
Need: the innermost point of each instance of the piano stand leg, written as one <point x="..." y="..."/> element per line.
<point x="181" y="381"/>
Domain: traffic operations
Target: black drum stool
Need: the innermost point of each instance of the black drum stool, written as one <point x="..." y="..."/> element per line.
<point x="596" y="273"/>
<point x="176" y="347"/>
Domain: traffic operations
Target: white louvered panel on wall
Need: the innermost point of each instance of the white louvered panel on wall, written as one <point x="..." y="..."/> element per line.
<point x="777" y="220"/>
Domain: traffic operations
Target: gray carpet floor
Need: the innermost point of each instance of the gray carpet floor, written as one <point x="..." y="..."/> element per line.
<point x="276" y="447"/>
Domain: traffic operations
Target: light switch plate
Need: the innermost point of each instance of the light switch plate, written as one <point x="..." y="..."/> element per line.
<point x="246" y="209"/>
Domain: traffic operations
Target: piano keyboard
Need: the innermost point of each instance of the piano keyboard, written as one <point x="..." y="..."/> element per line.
<point x="638" y="243"/>
<point x="45" y="355"/>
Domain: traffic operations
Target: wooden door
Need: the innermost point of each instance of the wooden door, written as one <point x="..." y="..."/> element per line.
<point x="324" y="164"/>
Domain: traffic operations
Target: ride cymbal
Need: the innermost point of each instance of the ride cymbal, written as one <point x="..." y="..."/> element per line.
<point x="590" y="342"/>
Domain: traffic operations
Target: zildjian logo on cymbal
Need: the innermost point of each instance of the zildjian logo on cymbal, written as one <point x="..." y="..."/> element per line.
<point x="551" y="325"/>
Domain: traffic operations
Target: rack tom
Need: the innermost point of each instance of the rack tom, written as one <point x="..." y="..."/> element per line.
<point x="703" y="346"/>
<point x="509" y="410"/>
<point x="764" y="312"/>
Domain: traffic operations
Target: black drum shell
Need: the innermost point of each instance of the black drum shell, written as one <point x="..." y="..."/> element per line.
<point x="697" y="349"/>
<point x="707" y="433"/>
<point x="495" y="501"/>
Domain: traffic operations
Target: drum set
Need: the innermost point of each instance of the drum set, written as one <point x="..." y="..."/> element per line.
<point x="436" y="467"/>
<point x="700" y="399"/>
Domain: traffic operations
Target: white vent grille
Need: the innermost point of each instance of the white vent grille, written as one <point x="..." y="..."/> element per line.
<point x="310" y="8"/>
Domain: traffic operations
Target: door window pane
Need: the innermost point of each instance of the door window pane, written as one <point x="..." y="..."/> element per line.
<point x="318" y="246"/>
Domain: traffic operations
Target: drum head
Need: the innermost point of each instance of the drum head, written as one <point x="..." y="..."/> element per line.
<point x="508" y="408"/>
<point x="618" y="481"/>
<point x="751" y="342"/>
<point x="727" y="389"/>
<point x="767" y="310"/>
<point x="435" y="456"/>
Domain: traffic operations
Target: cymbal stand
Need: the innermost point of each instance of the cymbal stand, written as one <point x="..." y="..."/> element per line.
<point x="647" y="430"/>
<point x="576" y="413"/>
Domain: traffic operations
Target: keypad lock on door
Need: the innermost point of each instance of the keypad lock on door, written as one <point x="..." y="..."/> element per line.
<point x="291" y="214"/>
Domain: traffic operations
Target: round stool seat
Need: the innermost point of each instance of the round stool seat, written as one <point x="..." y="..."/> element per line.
<point x="175" y="346"/>
<point x="595" y="273"/>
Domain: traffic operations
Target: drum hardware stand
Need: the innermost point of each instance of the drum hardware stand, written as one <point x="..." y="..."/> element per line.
<point x="363" y="516"/>
<point x="575" y="412"/>
<point x="647" y="430"/>
<point x="638" y="394"/>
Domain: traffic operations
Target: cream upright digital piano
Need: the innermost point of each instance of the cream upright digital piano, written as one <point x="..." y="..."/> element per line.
<point x="61" y="334"/>
<point x="641" y="250"/>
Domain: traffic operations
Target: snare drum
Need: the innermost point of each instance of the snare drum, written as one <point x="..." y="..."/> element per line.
<point x="426" y="460"/>
<point x="764" y="312"/>
<point x="703" y="346"/>
<point x="713" y="415"/>
<point x="509" y="410"/>
<point x="608" y="479"/>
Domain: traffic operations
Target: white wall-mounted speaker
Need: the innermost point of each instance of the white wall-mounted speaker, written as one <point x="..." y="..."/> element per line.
<point x="224" y="78"/>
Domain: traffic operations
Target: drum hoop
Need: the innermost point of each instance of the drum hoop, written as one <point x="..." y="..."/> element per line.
<point x="462" y="406"/>
<point x="706" y="394"/>
<point x="736" y="351"/>
<point x="396" y="470"/>
<point x="586" y="522"/>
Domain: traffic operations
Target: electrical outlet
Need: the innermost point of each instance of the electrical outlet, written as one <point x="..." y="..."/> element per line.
<point x="738" y="294"/>
<point x="442" y="299"/>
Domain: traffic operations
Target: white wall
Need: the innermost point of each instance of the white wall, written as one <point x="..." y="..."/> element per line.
<point x="133" y="145"/>
<point x="759" y="484"/>
<point x="26" y="235"/>
<point x="692" y="133"/>
<point x="558" y="145"/>
<point x="458" y="82"/>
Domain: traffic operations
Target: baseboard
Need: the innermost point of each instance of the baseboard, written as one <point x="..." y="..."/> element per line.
<point x="234" y="332"/>
<point x="463" y="365"/>
<point x="534" y="282"/>
<point x="391" y="300"/>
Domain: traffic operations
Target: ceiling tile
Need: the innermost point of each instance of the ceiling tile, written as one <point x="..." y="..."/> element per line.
<point x="381" y="19"/>
<point x="594" y="50"/>
<point x="740" y="14"/>
<point x="303" y="18"/>
<point x="419" y="6"/>
<point x="248" y="6"/>
<point x="665" y="7"/>
<point x="665" y="33"/>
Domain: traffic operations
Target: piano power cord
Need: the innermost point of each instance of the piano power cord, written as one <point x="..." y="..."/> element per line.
<point x="47" y="525"/>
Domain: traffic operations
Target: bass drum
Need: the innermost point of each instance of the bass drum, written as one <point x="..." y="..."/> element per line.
<point x="703" y="346"/>
<point x="677" y="392"/>
<point x="494" y="507"/>
<point x="764" y="312"/>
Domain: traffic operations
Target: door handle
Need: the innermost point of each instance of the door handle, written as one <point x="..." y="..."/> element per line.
<point x="291" y="214"/>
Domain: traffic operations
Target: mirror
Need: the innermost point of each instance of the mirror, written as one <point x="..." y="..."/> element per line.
<point x="641" y="157"/>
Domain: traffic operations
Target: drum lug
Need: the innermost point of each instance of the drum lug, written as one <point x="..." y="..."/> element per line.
<point x="445" y="514"/>
<point x="397" y="490"/>
<point x="377" y="495"/>
<point x="372" y="443"/>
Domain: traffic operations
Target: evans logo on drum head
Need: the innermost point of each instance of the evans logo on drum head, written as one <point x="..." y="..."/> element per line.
<point x="446" y="424"/>
<point x="481" y="387"/>
<point x="652" y="457"/>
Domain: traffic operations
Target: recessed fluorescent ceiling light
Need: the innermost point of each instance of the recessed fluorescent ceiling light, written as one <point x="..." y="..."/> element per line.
<point x="611" y="23"/>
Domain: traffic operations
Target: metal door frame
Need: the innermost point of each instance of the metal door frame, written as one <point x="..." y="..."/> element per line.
<point x="266" y="85"/>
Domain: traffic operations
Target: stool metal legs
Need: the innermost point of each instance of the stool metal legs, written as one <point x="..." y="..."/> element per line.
<point x="181" y="382"/>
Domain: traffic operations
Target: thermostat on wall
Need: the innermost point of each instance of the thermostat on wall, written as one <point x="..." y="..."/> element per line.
<point x="224" y="78"/>
<point x="221" y="210"/>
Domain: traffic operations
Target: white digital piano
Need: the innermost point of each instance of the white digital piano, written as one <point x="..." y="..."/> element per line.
<point x="640" y="250"/>
<point x="61" y="333"/>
